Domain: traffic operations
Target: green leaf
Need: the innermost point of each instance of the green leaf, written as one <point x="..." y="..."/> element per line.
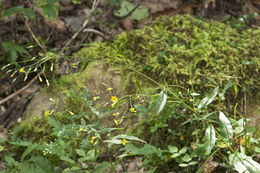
<point x="208" y="99"/>
<point x="19" y="9"/>
<point x="90" y="156"/>
<point x="100" y="168"/>
<point x="28" y="151"/>
<point x="210" y="139"/>
<point x="172" y="149"/>
<point x="67" y="159"/>
<point x="128" y="137"/>
<point x="50" y="11"/>
<point x="10" y="46"/>
<point x="226" y="130"/>
<point x="183" y="150"/>
<point x="183" y="165"/>
<point x="80" y="152"/>
<point x="175" y="155"/>
<point x="139" y="13"/>
<point x="186" y="158"/>
<point x="160" y="103"/>
<point x="257" y="150"/>
<point x="244" y="163"/>
<point x="193" y="163"/>
<point x="159" y="125"/>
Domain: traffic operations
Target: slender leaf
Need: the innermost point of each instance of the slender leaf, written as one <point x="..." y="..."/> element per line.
<point x="208" y="99"/>
<point x="210" y="139"/>
<point x="28" y="151"/>
<point x="160" y="103"/>
<point x="225" y="128"/>
<point x="131" y="138"/>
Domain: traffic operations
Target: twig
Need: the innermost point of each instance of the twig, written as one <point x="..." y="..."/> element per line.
<point x="32" y="34"/>
<point x="94" y="31"/>
<point x="22" y="89"/>
<point x="94" y="6"/>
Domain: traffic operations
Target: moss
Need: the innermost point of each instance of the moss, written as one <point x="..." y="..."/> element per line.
<point x="186" y="51"/>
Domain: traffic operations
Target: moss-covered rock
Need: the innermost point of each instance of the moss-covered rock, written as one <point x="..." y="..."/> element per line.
<point x="186" y="51"/>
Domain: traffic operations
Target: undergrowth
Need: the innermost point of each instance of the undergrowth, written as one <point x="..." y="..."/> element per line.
<point x="196" y="74"/>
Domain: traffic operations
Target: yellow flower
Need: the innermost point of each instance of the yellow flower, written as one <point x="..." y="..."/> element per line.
<point x="46" y="113"/>
<point x="114" y="114"/>
<point x="51" y="99"/>
<point x="40" y="79"/>
<point x="22" y="70"/>
<point x="71" y="113"/>
<point x="47" y="82"/>
<point x="195" y="109"/>
<point x="114" y="99"/>
<point x="12" y="75"/>
<point x="132" y="109"/>
<point x="124" y="141"/>
<point x="109" y="89"/>
<point x="80" y="129"/>
<point x="137" y="97"/>
<point x="180" y="92"/>
<point x="73" y="64"/>
<point x="94" y="98"/>
<point x="191" y="100"/>
<point x="92" y="139"/>
<point x="117" y="122"/>
<point x="112" y="105"/>
<point x="182" y="138"/>
<point x="51" y="69"/>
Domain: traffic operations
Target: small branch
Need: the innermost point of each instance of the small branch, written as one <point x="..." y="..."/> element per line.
<point x="32" y="34"/>
<point x="94" y="6"/>
<point x="22" y="89"/>
<point x="94" y="31"/>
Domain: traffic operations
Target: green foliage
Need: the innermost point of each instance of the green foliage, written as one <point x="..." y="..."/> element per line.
<point x="19" y="9"/>
<point x="49" y="8"/>
<point x="12" y="49"/>
<point x="138" y="14"/>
